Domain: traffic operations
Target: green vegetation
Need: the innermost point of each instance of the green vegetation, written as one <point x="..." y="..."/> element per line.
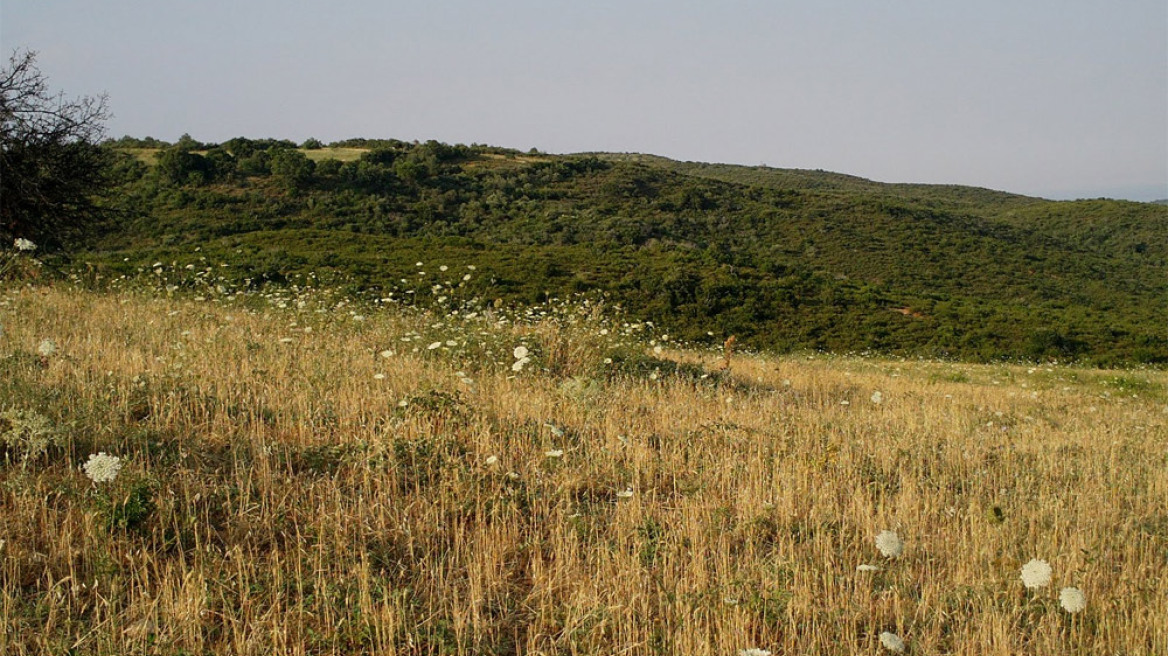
<point x="784" y="259"/>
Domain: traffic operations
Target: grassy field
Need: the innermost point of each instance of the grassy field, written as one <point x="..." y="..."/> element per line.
<point x="303" y="475"/>
<point x="340" y="154"/>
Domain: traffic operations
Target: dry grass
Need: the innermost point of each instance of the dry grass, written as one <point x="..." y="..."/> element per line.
<point x="278" y="498"/>
<point x="342" y="154"/>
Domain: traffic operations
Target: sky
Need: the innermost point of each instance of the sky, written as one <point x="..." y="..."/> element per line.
<point x="1053" y="98"/>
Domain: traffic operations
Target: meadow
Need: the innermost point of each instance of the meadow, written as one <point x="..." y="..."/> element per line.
<point x="302" y="473"/>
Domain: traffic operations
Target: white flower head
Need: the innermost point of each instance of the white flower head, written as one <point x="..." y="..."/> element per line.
<point x="625" y="493"/>
<point x="1036" y="574"/>
<point x="1073" y="600"/>
<point x="491" y="461"/>
<point x="520" y="352"/>
<point x="22" y="244"/>
<point x="47" y="348"/>
<point x="433" y="346"/>
<point x="867" y="568"/>
<point x="554" y="453"/>
<point x="102" y="467"/>
<point x="754" y="651"/>
<point x="889" y="544"/>
<point x="519" y="364"/>
<point x="877" y="398"/>
<point x="892" y="642"/>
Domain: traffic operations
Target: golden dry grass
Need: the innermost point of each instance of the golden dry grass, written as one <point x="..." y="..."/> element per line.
<point x="278" y="498"/>
<point x="328" y="152"/>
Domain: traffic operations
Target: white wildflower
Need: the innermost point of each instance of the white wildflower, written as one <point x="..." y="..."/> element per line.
<point x="754" y="651"/>
<point x="877" y="398"/>
<point x="22" y="244"/>
<point x="889" y="544"/>
<point x="519" y="364"/>
<point x="102" y="467"/>
<point x="1072" y="600"/>
<point x="378" y="376"/>
<point x="625" y="493"/>
<point x="867" y="568"/>
<point x="554" y="453"/>
<point x="47" y="348"/>
<point x="387" y="354"/>
<point x="1036" y="574"/>
<point x="892" y="642"/>
<point x="491" y="461"/>
<point x="520" y="352"/>
<point x="433" y="346"/>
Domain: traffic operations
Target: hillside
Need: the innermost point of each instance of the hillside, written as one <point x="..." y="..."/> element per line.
<point x="784" y="259"/>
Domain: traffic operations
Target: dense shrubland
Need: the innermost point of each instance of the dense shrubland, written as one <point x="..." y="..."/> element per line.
<point x="786" y="260"/>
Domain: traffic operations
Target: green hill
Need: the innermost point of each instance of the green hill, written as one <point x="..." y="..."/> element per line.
<point x="784" y="259"/>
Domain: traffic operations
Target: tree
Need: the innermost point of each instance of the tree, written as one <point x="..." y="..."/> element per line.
<point x="180" y="166"/>
<point x="292" y="167"/>
<point x="51" y="160"/>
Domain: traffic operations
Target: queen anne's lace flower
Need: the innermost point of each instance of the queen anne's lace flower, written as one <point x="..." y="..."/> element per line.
<point x="22" y="244"/>
<point x="102" y="467"/>
<point x="889" y="544"/>
<point x="754" y="651"/>
<point x="892" y="642"/>
<point x="1036" y="574"/>
<point x="1072" y="600"/>
<point x="520" y="352"/>
<point x="47" y="348"/>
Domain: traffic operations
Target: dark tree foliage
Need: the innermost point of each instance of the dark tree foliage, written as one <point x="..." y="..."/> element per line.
<point x="292" y="168"/>
<point x="51" y="160"/>
<point x="181" y="166"/>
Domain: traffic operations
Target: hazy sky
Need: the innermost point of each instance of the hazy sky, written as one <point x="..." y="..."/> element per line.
<point x="1058" y="98"/>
